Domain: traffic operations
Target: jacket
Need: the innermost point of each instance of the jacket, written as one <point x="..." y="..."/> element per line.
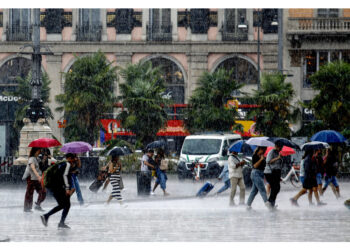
<point x="224" y="173"/>
<point x="232" y="169"/>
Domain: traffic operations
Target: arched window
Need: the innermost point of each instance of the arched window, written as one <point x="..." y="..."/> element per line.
<point x="244" y="71"/>
<point x="174" y="78"/>
<point x="13" y="68"/>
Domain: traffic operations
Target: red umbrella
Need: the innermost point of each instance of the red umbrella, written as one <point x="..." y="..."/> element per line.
<point x="44" y="143"/>
<point x="284" y="152"/>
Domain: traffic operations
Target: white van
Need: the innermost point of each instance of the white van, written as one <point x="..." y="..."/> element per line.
<point x="209" y="149"/>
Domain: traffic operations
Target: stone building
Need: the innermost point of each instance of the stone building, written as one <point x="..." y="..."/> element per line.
<point x="186" y="42"/>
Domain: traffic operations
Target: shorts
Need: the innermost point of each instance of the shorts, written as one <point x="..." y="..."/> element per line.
<point x="319" y="179"/>
<point x="302" y="178"/>
<point x="331" y="179"/>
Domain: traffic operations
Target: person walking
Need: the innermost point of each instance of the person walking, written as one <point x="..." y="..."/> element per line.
<point x="225" y="177"/>
<point x="310" y="182"/>
<point x="114" y="169"/>
<point x="33" y="176"/>
<point x="61" y="188"/>
<point x="235" y="169"/>
<point x="273" y="172"/>
<point x="74" y="171"/>
<point x="147" y="164"/>
<point x="331" y="168"/>
<point x="257" y="177"/>
<point x="161" y="174"/>
<point x="320" y="171"/>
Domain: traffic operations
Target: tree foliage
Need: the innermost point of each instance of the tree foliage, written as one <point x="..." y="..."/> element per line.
<point x="332" y="103"/>
<point x="143" y="101"/>
<point x="275" y="112"/>
<point x="207" y="110"/>
<point x="88" y="96"/>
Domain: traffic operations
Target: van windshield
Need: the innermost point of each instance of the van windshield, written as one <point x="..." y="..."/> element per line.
<point x="201" y="146"/>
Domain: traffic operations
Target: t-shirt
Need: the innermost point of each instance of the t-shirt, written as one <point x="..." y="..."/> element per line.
<point x="144" y="167"/>
<point x="33" y="160"/>
<point x="262" y="165"/>
<point x="276" y="165"/>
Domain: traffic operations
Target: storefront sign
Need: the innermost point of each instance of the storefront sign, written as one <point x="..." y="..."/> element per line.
<point x="9" y="98"/>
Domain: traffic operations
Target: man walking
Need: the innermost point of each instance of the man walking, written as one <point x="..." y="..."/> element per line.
<point x="61" y="187"/>
<point x="235" y="170"/>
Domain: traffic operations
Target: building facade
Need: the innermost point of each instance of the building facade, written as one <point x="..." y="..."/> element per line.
<point x="185" y="42"/>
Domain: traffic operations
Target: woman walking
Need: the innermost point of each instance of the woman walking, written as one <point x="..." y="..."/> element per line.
<point x="114" y="169"/>
<point x="161" y="174"/>
<point x="310" y="182"/>
<point x="33" y="177"/>
<point x="257" y="177"/>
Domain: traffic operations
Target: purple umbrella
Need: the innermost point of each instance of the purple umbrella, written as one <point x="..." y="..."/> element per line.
<point x="76" y="147"/>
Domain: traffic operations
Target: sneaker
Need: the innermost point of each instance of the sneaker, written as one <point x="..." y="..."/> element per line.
<point x="44" y="220"/>
<point x="166" y="194"/>
<point x="38" y="208"/>
<point x="27" y="211"/>
<point x="321" y="203"/>
<point x="63" y="226"/>
<point x="268" y="205"/>
<point x="249" y="208"/>
<point x="294" y="202"/>
<point x="232" y="204"/>
<point x="152" y="193"/>
<point x="311" y="204"/>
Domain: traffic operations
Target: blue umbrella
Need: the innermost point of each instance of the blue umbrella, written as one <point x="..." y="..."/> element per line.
<point x="156" y="144"/>
<point x="241" y="147"/>
<point x="329" y="136"/>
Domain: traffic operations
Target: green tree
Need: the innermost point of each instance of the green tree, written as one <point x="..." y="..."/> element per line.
<point x="207" y="111"/>
<point x="142" y="97"/>
<point x="24" y="92"/>
<point x="275" y="112"/>
<point x="332" y="103"/>
<point x="88" y="96"/>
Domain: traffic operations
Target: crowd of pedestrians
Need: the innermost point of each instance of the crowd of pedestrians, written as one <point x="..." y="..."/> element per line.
<point x="265" y="177"/>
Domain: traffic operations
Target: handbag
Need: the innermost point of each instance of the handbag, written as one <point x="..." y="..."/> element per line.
<point x="164" y="164"/>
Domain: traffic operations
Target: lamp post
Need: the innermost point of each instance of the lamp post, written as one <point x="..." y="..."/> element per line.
<point x="36" y="109"/>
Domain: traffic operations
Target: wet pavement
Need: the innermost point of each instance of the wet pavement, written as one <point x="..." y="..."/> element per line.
<point x="180" y="217"/>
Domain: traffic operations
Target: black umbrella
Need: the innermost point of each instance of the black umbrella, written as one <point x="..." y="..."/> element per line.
<point x="156" y="144"/>
<point x="118" y="151"/>
<point x="284" y="142"/>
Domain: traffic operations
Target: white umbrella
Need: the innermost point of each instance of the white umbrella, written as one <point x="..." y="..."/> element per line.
<point x="260" y="141"/>
<point x="314" y="145"/>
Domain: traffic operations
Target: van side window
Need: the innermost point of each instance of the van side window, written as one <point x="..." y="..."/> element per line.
<point x="225" y="147"/>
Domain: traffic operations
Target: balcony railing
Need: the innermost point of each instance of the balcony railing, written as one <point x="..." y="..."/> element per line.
<point x="159" y="33"/>
<point x="18" y="33"/>
<point x="89" y="33"/>
<point x="234" y="35"/>
<point x="318" y="25"/>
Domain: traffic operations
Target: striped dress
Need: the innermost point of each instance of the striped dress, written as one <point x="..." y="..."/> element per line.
<point x="115" y="181"/>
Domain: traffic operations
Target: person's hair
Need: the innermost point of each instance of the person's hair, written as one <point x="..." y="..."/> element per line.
<point x="160" y="153"/>
<point x="278" y="144"/>
<point x="307" y="152"/>
<point x="150" y="151"/>
<point x="258" y="148"/>
<point x="115" y="157"/>
<point x="70" y="155"/>
<point x="33" y="151"/>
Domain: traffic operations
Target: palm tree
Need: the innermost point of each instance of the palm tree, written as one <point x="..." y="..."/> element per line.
<point x="88" y="96"/>
<point x="207" y="110"/>
<point x="142" y="97"/>
<point x="275" y="111"/>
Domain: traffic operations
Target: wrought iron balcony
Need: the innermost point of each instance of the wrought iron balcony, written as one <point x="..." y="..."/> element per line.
<point x="336" y="26"/>
<point x="159" y="32"/>
<point x="19" y="33"/>
<point x="233" y="35"/>
<point x="89" y="32"/>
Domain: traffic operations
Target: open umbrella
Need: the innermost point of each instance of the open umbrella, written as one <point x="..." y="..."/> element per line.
<point x="314" y="145"/>
<point x="117" y="151"/>
<point x="76" y="147"/>
<point x="156" y="144"/>
<point x="329" y="136"/>
<point x="241" y="147"/>
<point x="284" y="152"/>
<point x="284" y="142"/>
<point x="260" y="141"/>
<point x="44" y="143"/>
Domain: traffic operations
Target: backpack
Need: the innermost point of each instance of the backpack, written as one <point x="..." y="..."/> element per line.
<point x="52" y="177"/>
